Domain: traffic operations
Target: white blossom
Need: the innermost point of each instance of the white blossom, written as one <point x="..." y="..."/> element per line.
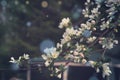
<point x="80" y="47"/>
<point x="81" y="54"/>
<point x="50" y="53"/>
<point x="106" y="69"/>
<point x="104" y="25"/>
<point x="59" y="45"/>
<point x="47" y="63"/>
<point x="84" y="61"/>
<point x="97" y="70"/>
<point x="92" y="63"/>
<point x="107" y="43"/>
<point x="26" y="56"/>
<point x="71" y="31"/>
<point x="79" y="32"/>
<point x="55" y="55"/>
<point x="76" y="59"/>
<point x="88" y="1"/>
<point x="64" y="23"/>
<point x="19" y="59"/>
<point x="93" y="21"/>
<point x="94" y="11"/>
<point x="75" y="53"/>
<point x="47" y="59"/>
<point x="44" y="57"/>
<point x="12" y="60"/>
<point x="59" y="75"/>
<point x="115" y="41"/>
<point x="66" y="38"/>
<point x="91" y="39"/>
<point x="57" y="70"/>
<point x="85" y="12"/>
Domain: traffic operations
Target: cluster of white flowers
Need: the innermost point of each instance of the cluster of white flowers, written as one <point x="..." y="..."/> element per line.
<point x="64" y="23"/>
<point x="91" y="39"/>
<point x="24" y="57"/>
<point x="92" y="14"/>
<point x="50" y="55"/>
<point x="15" y="61"/>
<point x="104" y="25"/>
<point x="57" y="70"/>
<point x="88" y="26"/>
<point x="106" y="69"/>
<point x="107" y="43"/>
<point x="105" y="66"/>
<point x="67" y="35"/>
<point x="80" y="47"/>
<point x="76" y="44"/>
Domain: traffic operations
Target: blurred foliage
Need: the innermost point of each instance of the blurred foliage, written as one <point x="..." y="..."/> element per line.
<point x="25" y="23"/>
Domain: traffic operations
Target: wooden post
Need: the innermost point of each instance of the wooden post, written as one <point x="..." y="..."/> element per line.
<point x="65" y="74"/>
<point x="28" y="72"/>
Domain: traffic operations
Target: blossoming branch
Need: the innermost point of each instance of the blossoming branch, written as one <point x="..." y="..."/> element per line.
<point x="95" y="35"/>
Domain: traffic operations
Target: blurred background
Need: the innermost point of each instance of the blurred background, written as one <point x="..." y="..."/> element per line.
<point x="29" y="26"/>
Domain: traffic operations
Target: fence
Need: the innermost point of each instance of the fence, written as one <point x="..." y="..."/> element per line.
<point x="33" y="73"/>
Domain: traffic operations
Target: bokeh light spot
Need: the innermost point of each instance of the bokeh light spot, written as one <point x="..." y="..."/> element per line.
<point x="44" y="4"/>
